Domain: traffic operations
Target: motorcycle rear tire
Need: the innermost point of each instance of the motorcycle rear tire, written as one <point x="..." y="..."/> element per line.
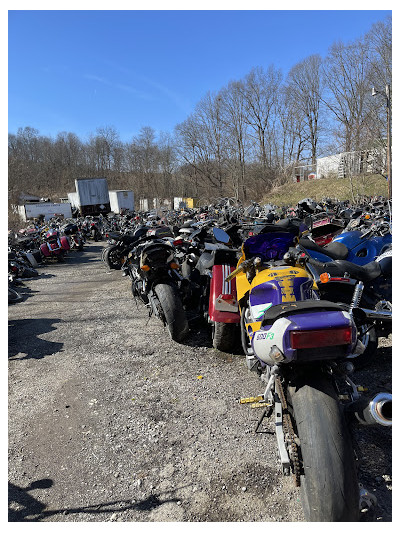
<point x="172" y="308"/>
<point x="224" y="336"/>
<point x="112" y="258"/>
<point x="328" y="487"/>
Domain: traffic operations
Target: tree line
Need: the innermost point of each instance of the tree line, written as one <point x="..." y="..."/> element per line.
<point x="240" y="141"/>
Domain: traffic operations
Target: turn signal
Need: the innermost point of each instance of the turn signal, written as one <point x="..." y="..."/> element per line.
<point x="174" y="265"/>
<point x="146" y="268"/>
<point x="324" y="277"/>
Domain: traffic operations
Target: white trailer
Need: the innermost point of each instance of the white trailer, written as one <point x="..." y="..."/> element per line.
<point x="47" y="209"/>
<point x="92" y="196"/>
<point x="121" y="201"/>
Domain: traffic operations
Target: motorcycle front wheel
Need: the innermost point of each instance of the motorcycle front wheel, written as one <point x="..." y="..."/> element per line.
<point x="224" y="336"/>
<point x="328" y="484"/>
<point x="112" y="258"/>
<point x="172" y="309"/>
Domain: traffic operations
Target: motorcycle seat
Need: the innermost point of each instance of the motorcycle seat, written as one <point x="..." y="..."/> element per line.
<point x="334" y="250"/>
<point x="290" y="308"/>
<point x="364" y="273"/>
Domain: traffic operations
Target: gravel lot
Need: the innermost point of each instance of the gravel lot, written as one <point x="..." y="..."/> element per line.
<point x="110" y="420"/>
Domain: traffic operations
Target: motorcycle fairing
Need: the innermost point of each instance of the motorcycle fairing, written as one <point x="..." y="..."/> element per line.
<point x="278" y="335"/>
<point x="223" y="304"/>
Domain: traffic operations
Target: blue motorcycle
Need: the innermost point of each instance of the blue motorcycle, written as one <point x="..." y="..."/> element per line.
<point x="357" y="246"/>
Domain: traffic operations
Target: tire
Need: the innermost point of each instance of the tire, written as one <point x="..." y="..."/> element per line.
<point x="224" y="336"/>
<point x="172" y="308"/>
<point x="328" y="487"/>
<point x="94" y="235"/>
<point x="112" y="258"/>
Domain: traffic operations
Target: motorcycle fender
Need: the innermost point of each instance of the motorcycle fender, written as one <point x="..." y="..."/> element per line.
<point x="223" y="305"/>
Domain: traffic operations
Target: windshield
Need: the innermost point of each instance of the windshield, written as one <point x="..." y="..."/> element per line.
<point x="268" y="246"/>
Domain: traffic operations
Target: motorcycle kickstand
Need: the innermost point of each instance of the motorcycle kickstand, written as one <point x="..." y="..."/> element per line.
<point x="265" y="414"/>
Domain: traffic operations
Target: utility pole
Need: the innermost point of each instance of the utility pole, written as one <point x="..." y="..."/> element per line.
<point x="389" y="139"/>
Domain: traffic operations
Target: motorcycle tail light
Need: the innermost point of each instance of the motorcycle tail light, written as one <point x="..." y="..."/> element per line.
<point x="177" y="242"/>
<point x="320" y="338"/>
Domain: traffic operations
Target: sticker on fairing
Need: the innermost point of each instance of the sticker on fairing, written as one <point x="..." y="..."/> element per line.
<point x="258" y="311"/>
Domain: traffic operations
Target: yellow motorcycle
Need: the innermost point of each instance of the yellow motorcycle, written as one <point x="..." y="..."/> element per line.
<point x="299" y="345"/>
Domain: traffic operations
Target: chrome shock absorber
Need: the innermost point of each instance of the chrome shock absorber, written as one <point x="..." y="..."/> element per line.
<point x="357" y="295"/>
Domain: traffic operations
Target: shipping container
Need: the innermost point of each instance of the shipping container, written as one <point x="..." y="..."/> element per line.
<point x="121" y="201"/>
<point x="46" y="209"/>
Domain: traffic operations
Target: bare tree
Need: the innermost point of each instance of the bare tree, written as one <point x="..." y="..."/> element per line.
<point x="260" y="90"/>
<point x="346" y="72"/>
<point x="305" y="87"/>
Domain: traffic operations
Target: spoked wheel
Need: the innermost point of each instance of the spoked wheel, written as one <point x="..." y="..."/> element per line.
<point x="328" y="483"/>
<point x="112" y="258"/>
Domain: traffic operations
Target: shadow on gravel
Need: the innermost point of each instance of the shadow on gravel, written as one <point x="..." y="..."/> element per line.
<point x="23" y="338"/>
<point x="81" y="258"/>
<point x="46" y="276"/>
<point x="200" y="336"/>
<point x="22" y="507"/>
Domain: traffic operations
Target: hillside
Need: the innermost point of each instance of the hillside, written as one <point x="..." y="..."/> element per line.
<point x="291" y="193"/>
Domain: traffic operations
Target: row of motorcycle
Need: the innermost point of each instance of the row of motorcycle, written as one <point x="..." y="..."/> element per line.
<point x="34" y="246"/>
<point x="304" y="295"/>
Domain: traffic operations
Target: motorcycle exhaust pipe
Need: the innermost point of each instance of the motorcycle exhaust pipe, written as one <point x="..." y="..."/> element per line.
<point x="372" y="411"/>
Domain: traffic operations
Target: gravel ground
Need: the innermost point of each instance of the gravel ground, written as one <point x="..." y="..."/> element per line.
<point x="110" y="420"/>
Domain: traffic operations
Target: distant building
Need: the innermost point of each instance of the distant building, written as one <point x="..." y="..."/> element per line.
<point x="343" y="165"/>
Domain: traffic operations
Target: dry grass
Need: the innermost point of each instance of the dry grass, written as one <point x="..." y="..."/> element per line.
<point x="341" y="189"/>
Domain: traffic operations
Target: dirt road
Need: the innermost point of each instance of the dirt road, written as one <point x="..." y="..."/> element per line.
<point x="110" y="420"/>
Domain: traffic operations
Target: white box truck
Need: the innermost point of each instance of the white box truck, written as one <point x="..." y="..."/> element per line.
<point x="122" y="201"/>
<point x="92" y="196"/>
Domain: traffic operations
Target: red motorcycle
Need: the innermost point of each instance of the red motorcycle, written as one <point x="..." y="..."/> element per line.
<point x="54" y="245"/>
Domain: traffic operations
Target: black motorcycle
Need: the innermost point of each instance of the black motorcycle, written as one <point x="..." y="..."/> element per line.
<point x="156" y="280"/>
<point x="120" y="244"/>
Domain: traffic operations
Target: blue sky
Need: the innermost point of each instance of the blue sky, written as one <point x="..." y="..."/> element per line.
<point x="76" y="71"/>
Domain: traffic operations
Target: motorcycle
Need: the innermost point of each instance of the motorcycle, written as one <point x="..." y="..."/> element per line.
<point x="299" y="345"/>
<point x="54" y="245"/>
<point x="209" y="258"/>
<point x="75" y="237"/>
<point x="359" y="247"/>
<point x="155" y="280"/>
<point x="120" y="245"/>
<point x="91" y="228"/>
